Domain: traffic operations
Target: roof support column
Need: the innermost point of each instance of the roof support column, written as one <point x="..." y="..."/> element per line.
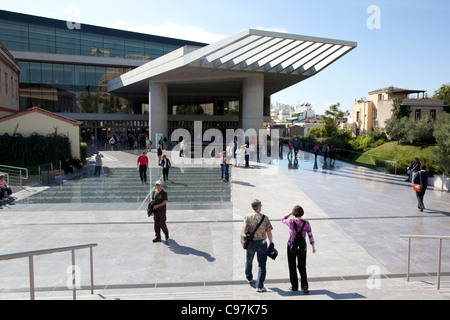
<point x="158" y="104"/>
<point x="253" y="102"/>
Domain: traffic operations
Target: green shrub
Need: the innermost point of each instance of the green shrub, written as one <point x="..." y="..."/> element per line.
<point x="33" y="150"/>
<point x="83" y="152"/>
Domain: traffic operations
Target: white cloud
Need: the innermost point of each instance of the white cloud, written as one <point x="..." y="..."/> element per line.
<point x="171" y="30"/>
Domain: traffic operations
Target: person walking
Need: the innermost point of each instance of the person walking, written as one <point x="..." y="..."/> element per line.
<point x="259" y="246"/>
<point x="421" y="178"/>
<point x="98" y="163"/>
<point x="413" y="168"/>
<point x="160" y="153"/>
<point x="165" y="164"/>
<point x="300" y="227"/>
<point x="142" y="166"/>
<point x="159" y="216"/>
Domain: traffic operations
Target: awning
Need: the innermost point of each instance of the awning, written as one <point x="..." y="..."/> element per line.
<point x="284" y="59"/>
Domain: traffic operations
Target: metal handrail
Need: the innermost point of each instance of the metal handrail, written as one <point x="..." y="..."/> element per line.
<point x="440" y="238"/>
<point x="19" y="175"/>
<point x="31" y="254"/>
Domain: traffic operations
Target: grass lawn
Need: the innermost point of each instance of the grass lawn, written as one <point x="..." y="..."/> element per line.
<point x="403" y="153"/>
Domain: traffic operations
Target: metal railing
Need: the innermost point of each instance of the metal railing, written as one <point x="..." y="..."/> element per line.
<point x="16" y="174"/>
<point x="428" y="237"/>
<point x="31" y="254"/>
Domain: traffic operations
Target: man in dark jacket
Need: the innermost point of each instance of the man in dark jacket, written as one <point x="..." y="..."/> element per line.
<point x="421" y="177"/>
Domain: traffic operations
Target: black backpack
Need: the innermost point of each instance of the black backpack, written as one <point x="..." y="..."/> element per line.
<point x="298" y="244"/>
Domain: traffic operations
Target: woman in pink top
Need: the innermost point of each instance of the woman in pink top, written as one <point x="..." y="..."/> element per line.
<point x="298" y="260"/>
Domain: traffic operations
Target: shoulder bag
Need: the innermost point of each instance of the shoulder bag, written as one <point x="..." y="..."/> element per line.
<point x="418" y="187"/>
<point x="247" y="238"/>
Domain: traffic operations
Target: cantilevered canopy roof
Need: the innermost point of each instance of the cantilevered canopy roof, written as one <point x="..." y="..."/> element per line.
<point x="284" y="59"/>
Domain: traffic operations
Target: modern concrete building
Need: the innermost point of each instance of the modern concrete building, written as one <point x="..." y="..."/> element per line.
<point x="116" y="81"/>
<point x="239" y="73"/>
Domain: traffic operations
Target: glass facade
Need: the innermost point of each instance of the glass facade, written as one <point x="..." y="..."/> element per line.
<point x="79" y="85"/>
<point x="36" y="34"/>
<point x="71" y="88"/>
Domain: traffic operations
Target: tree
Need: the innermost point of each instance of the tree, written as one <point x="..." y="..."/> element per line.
<point x="400" y="111"/>
<point x="397" y="129"/>
<point x="420" y="131"/>
<point x="442" y="135"/>
<point x="443" y="93"/>
<point x="330" y="126"/>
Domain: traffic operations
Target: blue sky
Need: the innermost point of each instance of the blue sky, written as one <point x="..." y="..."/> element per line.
<point x="409" y="50"/>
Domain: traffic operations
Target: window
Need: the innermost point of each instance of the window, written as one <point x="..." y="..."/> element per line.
<point x="433" y="114"/>
<point x="418" y="114"/>
<point x="6" y="82"/>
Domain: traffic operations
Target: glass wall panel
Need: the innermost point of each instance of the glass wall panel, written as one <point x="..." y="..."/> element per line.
<point x="69" y="75"/>
<point x="24" y="72"/>
<point x="35" y="72"/>
<point x="58" y="74"/>
<point x="80" y="76"/>
<point x="91" y="78"/>
<point x="47" y="73"/>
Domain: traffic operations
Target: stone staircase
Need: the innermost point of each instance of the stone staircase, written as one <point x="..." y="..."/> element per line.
<point x="186" y="187"/>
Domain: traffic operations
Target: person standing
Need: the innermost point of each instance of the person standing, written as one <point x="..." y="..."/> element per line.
<point x="247" y="155"/>
<point x="296" y="145"/>
<point x="98" y="163"/>
<point x="148" y="144"/>
<point x="298" y="260"/>
<point x="291" y="147"/>
<point x="142" y="166"/>
<point x="316" y="151"/>
<point x="165" y="164"/>
<point x="325" y="150"/>
<point x="182" y="148"/>
<point x="159" y="216"/>
<point x="259" y="246"/>
<point x="413" y="168"/>
<point x="421" y="178"/>
<point x="223" y="162"/>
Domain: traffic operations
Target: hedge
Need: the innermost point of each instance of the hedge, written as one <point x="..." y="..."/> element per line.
<point x="33" y="150"/>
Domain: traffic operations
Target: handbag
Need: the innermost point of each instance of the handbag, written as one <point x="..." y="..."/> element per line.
<point x="418" y="187"/>
<point x="247" y="238"/>
<point x="298" y="244"/>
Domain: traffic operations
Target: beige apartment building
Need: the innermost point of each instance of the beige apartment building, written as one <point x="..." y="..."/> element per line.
<point x="9" y="83"/>
<point x="379" y="107"/>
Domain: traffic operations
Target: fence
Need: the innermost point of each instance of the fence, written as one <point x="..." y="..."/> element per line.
<point x="31" y="254"/>
<point x="15" y="175"/>
<point x="440" y="238"/>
